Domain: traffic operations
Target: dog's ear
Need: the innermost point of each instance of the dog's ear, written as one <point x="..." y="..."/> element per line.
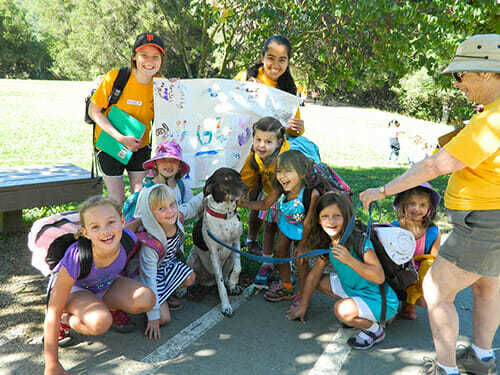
<point x="209" y="186"/>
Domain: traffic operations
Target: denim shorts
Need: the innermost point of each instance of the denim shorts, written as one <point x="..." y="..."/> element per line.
<point x="474" y="243"/>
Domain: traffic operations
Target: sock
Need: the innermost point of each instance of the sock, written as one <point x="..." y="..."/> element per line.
<point x="483" y="354"/>
<point x="375" y="328"/>
<point x="449" y="370"/>
<point x="287" y="285"/>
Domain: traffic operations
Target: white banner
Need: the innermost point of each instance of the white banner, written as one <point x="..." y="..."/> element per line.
<point x="212" y="119"/>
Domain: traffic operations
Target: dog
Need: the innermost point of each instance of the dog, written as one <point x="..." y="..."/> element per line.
<point x="214" y="263"/>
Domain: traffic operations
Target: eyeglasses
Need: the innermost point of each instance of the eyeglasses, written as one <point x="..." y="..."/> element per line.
<point x="458" y="76"/>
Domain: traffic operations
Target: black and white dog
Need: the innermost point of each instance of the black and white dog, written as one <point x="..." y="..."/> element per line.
<point x="212" y="262"/>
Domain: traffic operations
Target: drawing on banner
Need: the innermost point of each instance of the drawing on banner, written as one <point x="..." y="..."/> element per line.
<point x="212" y="119"/>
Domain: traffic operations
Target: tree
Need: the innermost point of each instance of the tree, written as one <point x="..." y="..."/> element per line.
<point x="23" y="55"/>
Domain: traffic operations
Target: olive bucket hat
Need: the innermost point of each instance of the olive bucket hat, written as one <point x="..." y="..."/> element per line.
<point x="479" y="53"/>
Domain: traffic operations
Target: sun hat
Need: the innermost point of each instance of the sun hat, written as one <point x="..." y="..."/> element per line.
<point x="399" y="243"/>
<point x="148" y="39"/>
<point x="479" y="53"/>
<point x="168" y="150"/>
<point x="435" y="197"/>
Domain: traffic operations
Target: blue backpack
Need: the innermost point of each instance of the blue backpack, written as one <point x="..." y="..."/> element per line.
<point x="131" y="202"/>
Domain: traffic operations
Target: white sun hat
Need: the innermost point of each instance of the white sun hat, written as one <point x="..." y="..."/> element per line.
<point x="399" y="243"/>
<point x="479" y="53"/>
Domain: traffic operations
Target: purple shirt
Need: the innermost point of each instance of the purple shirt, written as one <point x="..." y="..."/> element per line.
<point x="99" y="279"/>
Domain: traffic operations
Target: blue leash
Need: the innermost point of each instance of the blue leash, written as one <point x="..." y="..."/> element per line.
<point x="308" y="254"/>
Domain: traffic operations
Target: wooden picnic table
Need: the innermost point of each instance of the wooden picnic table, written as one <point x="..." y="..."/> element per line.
<point x="35" y="186"/>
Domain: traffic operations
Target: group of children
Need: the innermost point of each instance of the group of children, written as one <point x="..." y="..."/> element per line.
<point x="293" y="205"/>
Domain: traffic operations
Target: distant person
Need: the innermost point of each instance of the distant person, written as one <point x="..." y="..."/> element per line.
<point x="394" y="144"/>
<point x="272" y="69"/>
<point x="93" y="304"/>
<point x="416" y="210"/>
<point x="137" y="101"/>
<point x="356" y="281"/>
<point x="159" y="267"/>
<point x="470" y="256"/>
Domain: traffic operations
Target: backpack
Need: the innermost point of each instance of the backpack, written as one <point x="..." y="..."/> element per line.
<point x="311" y="150"/>
<point x="399" y="277"/>
<point x="131" y="202"/>
<point x="50" y="237"/>
<point x="118" y="86"/>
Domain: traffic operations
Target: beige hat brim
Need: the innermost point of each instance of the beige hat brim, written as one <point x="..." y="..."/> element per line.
<point x="472" y="65"/>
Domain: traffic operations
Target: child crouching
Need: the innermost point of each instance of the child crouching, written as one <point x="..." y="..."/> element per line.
<point x="162" y="238"/>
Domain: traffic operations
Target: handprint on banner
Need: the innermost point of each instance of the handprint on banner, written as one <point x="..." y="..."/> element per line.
<point x="221" y="134"/>
<point x="245" y="135"/>
<point x="202" y="138"/>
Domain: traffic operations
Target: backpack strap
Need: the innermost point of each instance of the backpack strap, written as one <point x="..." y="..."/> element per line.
<point x="182" y="188"/>
<point x="430" y="237"/>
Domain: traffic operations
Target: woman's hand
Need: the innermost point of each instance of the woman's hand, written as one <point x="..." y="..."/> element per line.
<point x="153" y="329"/>
<point x="296" y="124"/>
<point x="370" y="195"/>
<point x="131" y="143"/>
<point x="342" y="254"/>
<point x="55" y="369"/>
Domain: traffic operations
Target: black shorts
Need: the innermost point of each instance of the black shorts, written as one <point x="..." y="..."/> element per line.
<point x="109" y="166"/>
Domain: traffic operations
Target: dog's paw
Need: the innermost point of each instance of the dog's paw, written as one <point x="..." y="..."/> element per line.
<point x="236" y="290"/>
<point x="227" y="310"/>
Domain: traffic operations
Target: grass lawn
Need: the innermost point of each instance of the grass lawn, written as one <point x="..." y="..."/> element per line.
<point x="42" y="124"/>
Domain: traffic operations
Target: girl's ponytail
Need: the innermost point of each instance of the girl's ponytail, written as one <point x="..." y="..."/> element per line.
<point x="85" y="256"/>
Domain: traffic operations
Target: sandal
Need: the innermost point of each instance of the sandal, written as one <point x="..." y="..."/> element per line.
<point x="254" y="247"/>
<point x="356" y="342"/>
<point x="174" y="303"/>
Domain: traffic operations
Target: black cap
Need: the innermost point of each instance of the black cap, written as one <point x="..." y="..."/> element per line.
<point x="148" y="39"/>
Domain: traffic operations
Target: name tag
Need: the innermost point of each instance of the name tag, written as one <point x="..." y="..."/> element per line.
<point x="134" y="102"/>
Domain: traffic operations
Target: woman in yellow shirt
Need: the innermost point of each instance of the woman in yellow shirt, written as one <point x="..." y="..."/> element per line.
<point x="136" y="100"/>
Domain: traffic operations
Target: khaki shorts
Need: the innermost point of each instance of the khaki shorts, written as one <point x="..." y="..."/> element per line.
<point x="474" y="243"/>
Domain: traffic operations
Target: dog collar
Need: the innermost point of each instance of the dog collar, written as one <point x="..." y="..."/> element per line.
<point x="215" y="214"/>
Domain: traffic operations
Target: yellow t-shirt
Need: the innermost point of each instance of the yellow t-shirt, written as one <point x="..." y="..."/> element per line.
<point x="136" y="100"/>
<point x="242" y="76"/>
<point x="476" y="187"/>
<point x="250" y="177"/>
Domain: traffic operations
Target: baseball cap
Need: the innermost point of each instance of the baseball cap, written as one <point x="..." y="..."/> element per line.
<point x="479" y="53"/>
<point x="148" y="39"/>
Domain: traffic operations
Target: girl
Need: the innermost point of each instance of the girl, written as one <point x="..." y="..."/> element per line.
<point x="137" y="101"/>
<point x="258" y="171"/>
<point x="356" y="281"/>
<point x="297" y="190"/>
<point x="84" y="304"/>
<point x="167" y="167"/>
<point x="416" y="210"/>
<point x="157" y="209"/>
<point x="272" y="70"/>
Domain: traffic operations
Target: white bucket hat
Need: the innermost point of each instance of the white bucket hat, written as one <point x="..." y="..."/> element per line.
<point x="479" y="53"/>
<point x="399" y="243"/>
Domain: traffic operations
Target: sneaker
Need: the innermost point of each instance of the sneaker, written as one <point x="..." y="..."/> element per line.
<point x="432" y="368"/>
<point x="64" y="338"/>
<point x="121" y="321"/>
<point x="467" y="361"/>
<point x="262" y="277"/>
<point x="279" y="294"/>
<point x="254" y="247"/>
<point x="357" y="342"/>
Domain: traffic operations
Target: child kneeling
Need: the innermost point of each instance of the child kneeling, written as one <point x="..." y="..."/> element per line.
<point x="162" y="237"/>
<point x="356" y="281"/>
